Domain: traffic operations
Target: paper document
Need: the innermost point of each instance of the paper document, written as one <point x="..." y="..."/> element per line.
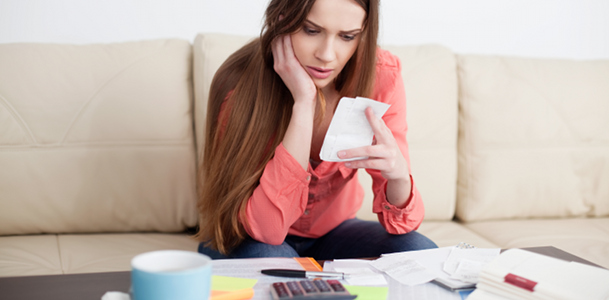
<point x="427" y="291"/>
<point x="482" y="255"/>
<point x="250" y="268"/>
<point x="434" y="262"/>
<point x="349" y="127"/>
<point x="363" y="277"/>
<point x="359" y="272"/>
<point x="396" y="290"/>
<point x="405" y="271"/>
<point x="465" y="264"/>
<point x="523" y="274"/>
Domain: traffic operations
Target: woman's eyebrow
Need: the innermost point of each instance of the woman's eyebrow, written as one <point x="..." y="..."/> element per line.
<point x="352" y="31"/>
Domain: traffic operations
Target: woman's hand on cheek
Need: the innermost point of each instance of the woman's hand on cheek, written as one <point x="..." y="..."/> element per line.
<point x="291" y="71"/>
<point x="383" y="155"/>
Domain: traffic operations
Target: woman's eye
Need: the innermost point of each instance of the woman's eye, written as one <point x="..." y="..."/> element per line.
<point x="348" y="37"/>
<point x="310" y="31"/>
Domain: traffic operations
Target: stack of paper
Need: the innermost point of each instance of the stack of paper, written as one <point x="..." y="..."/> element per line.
<point x="466" y="263"/>
<point x="368" y="283"/>
<point x="520" y="274"/>
<point x="452" y="267"/>
<point x="358" y="272"/>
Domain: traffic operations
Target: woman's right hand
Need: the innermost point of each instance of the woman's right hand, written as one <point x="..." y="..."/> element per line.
<point x="291" y="71"/>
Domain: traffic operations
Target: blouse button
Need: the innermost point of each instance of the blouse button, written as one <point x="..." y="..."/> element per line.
<point x="306" y="212"/>
<point x="387" y="207"/>
<point x="308" y="177"/>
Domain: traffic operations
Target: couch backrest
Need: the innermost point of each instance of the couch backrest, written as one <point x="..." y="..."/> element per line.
<point x="533" y="138"/>
<point x="96" y="138"/>
<point x="429" y="74"/>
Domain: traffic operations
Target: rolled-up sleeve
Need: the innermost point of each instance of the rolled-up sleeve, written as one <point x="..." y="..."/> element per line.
<point x="390" y="89"/>
<point x="279" y="200"/>
<point x="398" y="220"/>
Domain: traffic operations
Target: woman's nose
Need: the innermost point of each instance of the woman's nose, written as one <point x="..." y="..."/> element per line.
<point x="325" y="51"/>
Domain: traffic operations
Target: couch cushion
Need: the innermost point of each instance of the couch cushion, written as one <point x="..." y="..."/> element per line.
<point x="210" y="52"/>
<point x="113" y="252"/>
<point x="82" y="253"/>
<point x="586" y="238"/>
<point x="431" y="91"/>
<point x="29" y="255"/>
<point x="430" y="81"/>
<point x="96" y="138"/>
<point x="533" y="138"/>
<point x="449" y="233"/>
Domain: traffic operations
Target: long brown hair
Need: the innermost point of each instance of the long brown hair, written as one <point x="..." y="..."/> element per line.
<point x="256" y="109"/>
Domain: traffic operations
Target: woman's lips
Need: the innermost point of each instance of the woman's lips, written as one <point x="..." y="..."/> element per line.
<point x="320" y="73"/>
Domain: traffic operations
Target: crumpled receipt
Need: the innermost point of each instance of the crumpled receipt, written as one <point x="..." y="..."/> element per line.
<point x="115" y="296"/>
<point x="349" y="127"/>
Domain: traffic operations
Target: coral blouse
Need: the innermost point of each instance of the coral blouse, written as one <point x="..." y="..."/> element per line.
<point x="310" y="203"/>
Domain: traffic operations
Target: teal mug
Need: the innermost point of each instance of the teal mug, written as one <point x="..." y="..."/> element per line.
<point x="170" y="275"/>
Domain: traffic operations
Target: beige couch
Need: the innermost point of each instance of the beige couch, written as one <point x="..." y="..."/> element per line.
<point x="98" y="150"/>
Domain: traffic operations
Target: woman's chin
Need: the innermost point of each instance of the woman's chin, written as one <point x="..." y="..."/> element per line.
<point x="323" y="83"/>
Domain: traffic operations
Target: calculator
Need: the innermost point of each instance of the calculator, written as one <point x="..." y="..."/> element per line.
<point x="310" y="290"/>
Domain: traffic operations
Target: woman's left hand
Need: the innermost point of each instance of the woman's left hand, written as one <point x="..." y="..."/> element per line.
<point x="384" y="154"/>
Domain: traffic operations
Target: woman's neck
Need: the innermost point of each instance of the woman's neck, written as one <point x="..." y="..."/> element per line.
<point x="330" y="92"/>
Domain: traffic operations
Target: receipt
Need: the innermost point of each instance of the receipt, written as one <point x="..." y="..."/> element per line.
<point x="349" y="127"/>
<point x="409" y="272"/>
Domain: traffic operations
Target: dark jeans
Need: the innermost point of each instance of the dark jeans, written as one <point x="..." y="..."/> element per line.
<point x="352" y="239"/>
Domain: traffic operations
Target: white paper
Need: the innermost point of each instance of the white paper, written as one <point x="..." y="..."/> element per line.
<point x="479" y="294"/>
<point x="363" y="276"/>
<point x="349" y="127"/>
<point x="398" y="291"/>
<point x="432" y="260"/>
<point x="555" y="278"/>
<point x="408" y="272"/>
<point x="349" y="263"/>
<point x="427" y="291"/>
<point x="482" y="255"/>
<point x="468" y="271"/>
<point x="250" y="268"/>
<point x="359" y="272"/>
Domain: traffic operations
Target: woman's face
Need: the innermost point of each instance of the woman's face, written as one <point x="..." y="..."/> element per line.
<point x="328" y="38"/>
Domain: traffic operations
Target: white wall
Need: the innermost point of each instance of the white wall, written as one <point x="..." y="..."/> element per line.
<point x="577" y="29"/>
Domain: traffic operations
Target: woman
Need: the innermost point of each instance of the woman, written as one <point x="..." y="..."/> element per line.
<point x="265" y="191"/>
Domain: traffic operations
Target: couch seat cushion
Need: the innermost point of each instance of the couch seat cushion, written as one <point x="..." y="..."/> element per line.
<point x="586" y="238"/>
<point x="29" y="255"/>
<point x="85" y="253"/>
<point x="448" y="233"/>
<point x="113" y="252"/>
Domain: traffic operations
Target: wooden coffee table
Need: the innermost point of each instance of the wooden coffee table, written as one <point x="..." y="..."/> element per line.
<point x="94" y="285"/>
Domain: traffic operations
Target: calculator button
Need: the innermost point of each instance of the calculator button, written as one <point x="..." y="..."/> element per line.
<point x="322" y="286"/>
<point x="336" y="286"/>
<point x="294" y="288"/>
<point x="308" y="286"/>
<point x="281" y="290"/>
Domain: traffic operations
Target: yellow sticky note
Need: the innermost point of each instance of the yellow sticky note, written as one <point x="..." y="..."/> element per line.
<point x="368" y="292"/>
<point x="225" y="283"/>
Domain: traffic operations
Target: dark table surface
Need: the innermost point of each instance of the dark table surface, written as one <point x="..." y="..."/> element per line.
<point x="94" y="285"/>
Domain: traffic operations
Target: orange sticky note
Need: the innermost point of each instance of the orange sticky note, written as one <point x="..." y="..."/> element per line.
<point x="232" y="295"/>
<point x="231" y="288"/>
<point x="309" y="264"/>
